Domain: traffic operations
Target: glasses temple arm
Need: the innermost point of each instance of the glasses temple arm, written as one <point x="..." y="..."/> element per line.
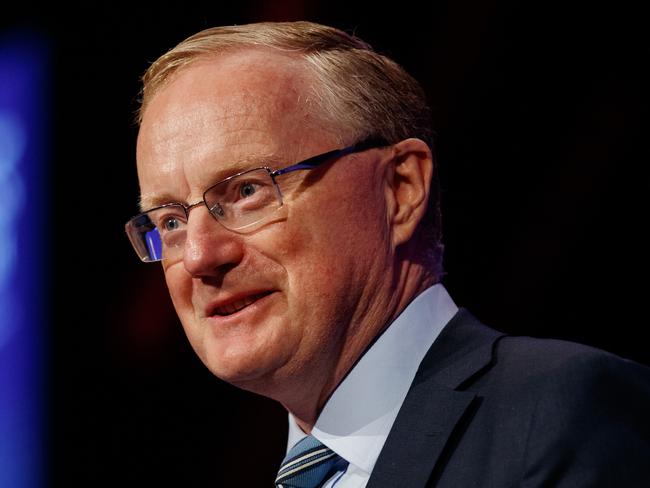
<point x="316" y="161"/>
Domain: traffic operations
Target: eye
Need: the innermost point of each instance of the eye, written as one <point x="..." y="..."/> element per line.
<point x="170" y="224"/>
<point x="247" y="189"/>
<point x="168" y="220"/>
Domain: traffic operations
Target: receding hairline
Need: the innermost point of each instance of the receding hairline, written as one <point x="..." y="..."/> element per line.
<point x="296" y="61"/>
<point x="298" y="38"/>
<point x="288" y="87"/>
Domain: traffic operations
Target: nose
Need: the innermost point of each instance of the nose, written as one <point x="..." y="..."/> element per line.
<point x="209" y="246"/>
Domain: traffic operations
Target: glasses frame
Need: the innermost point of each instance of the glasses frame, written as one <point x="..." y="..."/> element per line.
<point x="307" y="164"/>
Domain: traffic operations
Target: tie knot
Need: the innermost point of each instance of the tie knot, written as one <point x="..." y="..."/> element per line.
<point x="308" y="464"/>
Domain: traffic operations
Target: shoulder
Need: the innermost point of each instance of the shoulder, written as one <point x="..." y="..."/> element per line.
<point x="528" y="359"/>
<point x="544" y="412"/>
<point x="586" y="411"/>
<point x="555" y="363"/>
<point x="561" y="378"/>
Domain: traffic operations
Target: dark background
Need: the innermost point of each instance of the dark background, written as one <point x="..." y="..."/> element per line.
<point x="540" y="111"/>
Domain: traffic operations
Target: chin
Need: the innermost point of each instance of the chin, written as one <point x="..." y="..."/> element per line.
<point x="243" y="368"/>
<point x="244" y="353"/>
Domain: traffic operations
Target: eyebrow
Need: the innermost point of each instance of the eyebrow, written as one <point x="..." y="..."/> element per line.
<point x="149" y="201"/>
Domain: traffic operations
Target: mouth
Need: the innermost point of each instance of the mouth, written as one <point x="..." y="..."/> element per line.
<point x="237" y="305"/>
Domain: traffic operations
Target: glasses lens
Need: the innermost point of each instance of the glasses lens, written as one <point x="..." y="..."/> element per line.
<point x="159" y="233"/>
<point x="244" y="199"/>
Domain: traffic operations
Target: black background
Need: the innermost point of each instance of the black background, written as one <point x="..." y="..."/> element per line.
<point x="540" y="111"/>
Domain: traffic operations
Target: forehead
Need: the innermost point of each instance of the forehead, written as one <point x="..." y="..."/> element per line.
<point x="219" y="115"/>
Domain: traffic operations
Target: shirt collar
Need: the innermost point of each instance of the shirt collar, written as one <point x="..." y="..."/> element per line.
<point x="357" y="418"/>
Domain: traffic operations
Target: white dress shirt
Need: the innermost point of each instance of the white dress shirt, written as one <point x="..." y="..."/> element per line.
<point x="357" y="418"/>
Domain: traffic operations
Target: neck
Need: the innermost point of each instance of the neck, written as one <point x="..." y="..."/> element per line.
<point x="410" y="279"/>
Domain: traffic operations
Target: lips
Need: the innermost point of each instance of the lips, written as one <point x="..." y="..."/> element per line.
<point x="237" y="305"/>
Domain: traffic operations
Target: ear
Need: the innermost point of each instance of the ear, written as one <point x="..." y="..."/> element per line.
<point x="408" y="182"/>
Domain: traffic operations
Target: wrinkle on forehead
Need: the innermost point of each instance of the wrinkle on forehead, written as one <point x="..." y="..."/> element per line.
<point x="281" y="82"/>
<point x="200" y="97"/>
<point x="205" y="123"/>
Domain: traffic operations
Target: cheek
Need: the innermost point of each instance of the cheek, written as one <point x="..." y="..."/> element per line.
<point x="179" y="284"/>
<point x="353" y="223"/>
<point x="329" y="244"/>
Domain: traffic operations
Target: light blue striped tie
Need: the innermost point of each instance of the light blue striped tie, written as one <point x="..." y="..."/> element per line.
<point x="308" y="465"/>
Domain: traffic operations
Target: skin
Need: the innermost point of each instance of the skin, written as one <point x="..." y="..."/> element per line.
<point x="336" y="264"/>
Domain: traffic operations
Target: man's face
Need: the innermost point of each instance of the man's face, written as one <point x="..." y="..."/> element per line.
<point x="294" y="299"/>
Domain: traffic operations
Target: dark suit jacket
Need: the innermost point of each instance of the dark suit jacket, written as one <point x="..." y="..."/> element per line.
<point x="489" y="410"/>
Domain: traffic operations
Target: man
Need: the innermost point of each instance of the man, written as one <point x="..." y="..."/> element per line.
<point x="289" y="190"/>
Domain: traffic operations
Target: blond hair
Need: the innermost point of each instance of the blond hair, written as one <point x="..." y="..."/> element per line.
<point x="359" y="92"/>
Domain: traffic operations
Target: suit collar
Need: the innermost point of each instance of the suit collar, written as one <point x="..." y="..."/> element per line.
<point x="434" y="404"/>
<point x="463" y="348"/>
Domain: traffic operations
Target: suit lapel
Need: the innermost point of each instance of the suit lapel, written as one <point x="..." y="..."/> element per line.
<point x="416" y="441"/>
<point x="434" y="405"/>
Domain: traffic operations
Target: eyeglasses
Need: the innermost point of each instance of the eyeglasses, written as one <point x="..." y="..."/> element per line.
<point x="240" y="202"/>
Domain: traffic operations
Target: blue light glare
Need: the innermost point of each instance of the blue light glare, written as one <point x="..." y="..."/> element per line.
<point x="12" y="137"/>
<point x="154" y="244"/>
<point x="22" y="459"/>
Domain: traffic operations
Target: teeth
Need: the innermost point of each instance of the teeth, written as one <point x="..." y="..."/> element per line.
<point x="236" y="306"/>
